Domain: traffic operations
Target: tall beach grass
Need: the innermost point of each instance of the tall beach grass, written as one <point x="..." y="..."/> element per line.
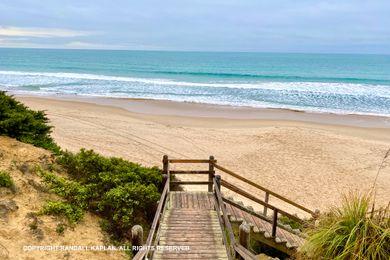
<point x="356" y="230"/>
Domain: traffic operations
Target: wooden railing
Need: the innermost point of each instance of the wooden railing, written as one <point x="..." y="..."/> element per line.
<point x="214" y="184"/>
<point x="156" y="221"/>
<point x="275" y="210"/>
<point x="267" y="191"/>
<point x="212" y="163"/>
<point x="233" y="249"/>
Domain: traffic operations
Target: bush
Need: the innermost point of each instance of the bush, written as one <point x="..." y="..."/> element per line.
<point x="354" y="231"/>
<point x="6" y="180"/>
<point x="60" y="229"/>
<point x="59" y="208"/>
<point x="90" y="167"/>
<point x="128" y="204"/>
<point x="122" y="192"/>
<point x="26" y="125"/>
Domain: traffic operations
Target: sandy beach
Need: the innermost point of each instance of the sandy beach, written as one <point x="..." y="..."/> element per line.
<point x="310" y="158"/>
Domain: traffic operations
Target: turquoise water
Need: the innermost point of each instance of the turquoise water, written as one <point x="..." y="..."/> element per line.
<point x="336" y="83"/>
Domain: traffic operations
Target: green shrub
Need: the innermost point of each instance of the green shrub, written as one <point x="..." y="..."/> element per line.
<point x="26" y="125"/>
<point x="59" y="208"/>
<point x="6" y="180"/>
<point x="75" y="192"/>
<point x="60" y="229"/>
<point x="128" y="204"/>
<point x="122" y="192"/>
<point x="90" y="167"/>
<point x="354" y="231"/>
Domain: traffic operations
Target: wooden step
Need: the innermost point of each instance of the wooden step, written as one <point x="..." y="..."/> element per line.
<point x="190" y="221"/>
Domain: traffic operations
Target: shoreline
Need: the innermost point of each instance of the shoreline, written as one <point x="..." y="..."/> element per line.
<point x="203" y="110"/>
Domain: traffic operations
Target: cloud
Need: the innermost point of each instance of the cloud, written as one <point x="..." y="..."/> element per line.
<point x="40" y="32"/>
<point x="203" y="25"/>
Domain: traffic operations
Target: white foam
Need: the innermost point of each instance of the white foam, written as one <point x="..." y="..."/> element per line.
<point x="312" y="87"/>
<point x="114" y="86"/>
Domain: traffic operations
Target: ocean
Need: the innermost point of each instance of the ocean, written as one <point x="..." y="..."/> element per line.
<point x="329" y="83"/>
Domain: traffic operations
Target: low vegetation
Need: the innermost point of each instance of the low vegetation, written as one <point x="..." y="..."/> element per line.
<point x="72" y="212"/>
<point x="6" y="181"/>
<point x="26" y="125"/>
<point x="123" y="193"/>
<point x="354" y="231"/>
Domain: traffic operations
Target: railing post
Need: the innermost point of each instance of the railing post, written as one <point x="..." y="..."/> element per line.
<point x="274" y="222"/>
<point x="165" y="164"/>
<point x="137" y="237"/>
<point x="211" y="172"/>
<point x="218" y="181"/>
<point x="266" y="201"/>
<point x="166" y="171"/>
<point x="244" y="235"/>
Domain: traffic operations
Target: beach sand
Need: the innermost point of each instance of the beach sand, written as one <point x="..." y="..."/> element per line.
<point x="310" y="158"/>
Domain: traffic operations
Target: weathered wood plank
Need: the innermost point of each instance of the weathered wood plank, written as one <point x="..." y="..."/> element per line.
<point x="190" y="222"/>
<point x="190" y="182"/>
<point x="189" y="172"/>
<point x="189" y="161"/>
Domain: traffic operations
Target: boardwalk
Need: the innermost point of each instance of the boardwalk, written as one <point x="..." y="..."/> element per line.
<point x="190" y="220"/>
<point x="209" y="225"/>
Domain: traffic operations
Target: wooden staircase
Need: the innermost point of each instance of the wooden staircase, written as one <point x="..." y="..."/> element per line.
<point x="191" y="222"/>
<point x="286" y="239"/>
<point x="204" y="225"/>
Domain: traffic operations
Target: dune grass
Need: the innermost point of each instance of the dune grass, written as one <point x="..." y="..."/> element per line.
<point x="354" y="231"/>
<point x="6" y="181"/>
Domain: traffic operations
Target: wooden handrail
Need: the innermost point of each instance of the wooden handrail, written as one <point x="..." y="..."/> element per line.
<point x="190" y="161"/>
<point x="255" y="199"/>
<point x="191" y="182"/>
<point x="276" y="210"/>
<point x="226" y="221"/>
<point x="264" y="189"/>
<point x="245" y="253"/>
<point x="213" y="162"/>
<point x="215" y="180"/>
<point x="260" y="216"/>
<point x="189" y="172"/>
<point x="141" y="254"/>
<point x="235" y="247"/>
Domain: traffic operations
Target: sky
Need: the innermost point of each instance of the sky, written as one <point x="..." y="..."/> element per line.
<point x="333" y="26"/>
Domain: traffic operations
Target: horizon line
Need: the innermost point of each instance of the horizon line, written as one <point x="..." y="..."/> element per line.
<point x="197" y="51"/>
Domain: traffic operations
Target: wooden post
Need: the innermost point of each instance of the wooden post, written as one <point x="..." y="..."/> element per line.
<point x="164" y="180"/>
<point x="166" y="170"/>
<point x="218" y="181"/>
<point x="316" y="213"/>
<point x="244" y="235"/>
<point x="266" y="201"/>
<point x="274" y="222"/>
<point x="165" y="164"/>
<point x="211" y="172"/>
<point x="137" y="237"/>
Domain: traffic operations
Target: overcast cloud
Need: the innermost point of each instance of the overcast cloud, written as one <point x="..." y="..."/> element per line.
<point x="348" y="26"/>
